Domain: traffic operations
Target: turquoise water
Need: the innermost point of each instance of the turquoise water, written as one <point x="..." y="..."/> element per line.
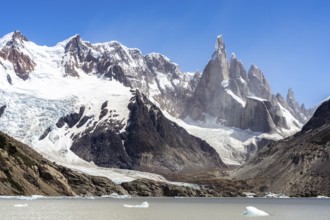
<point x="162" y="208"/>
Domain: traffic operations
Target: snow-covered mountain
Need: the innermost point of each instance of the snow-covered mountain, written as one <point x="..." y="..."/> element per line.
<point x="79" y="98"/>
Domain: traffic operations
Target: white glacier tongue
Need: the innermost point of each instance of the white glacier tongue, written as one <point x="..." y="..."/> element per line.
<point x="230" y="143"/>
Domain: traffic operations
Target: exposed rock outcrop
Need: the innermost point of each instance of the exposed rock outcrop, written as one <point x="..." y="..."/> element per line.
<point x="257" y="83"/>
<point x="238" y="77"/>
<point x="257" y="116"/>
<point x="2" y="110"/>
<point x="22" y="63"/>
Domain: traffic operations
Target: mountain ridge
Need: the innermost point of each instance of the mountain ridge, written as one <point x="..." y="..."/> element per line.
<point x="75" y="73"/>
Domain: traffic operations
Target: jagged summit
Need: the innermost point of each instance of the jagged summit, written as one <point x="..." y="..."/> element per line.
<point x="290" y="94"/>
<point x="239" y="98"/>
<point x="220" y="45"/>
<point x="15" y="38"/>
<point x="258" y="84"/>
<point x="233" y="56"/>
<point x="17" y="35"/>
<point x="13" y="49"/>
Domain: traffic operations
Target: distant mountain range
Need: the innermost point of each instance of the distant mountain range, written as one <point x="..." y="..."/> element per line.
<point x="81" y="104"/>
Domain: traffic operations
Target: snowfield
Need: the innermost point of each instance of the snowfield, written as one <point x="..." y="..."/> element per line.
<point x="230" y="143"/>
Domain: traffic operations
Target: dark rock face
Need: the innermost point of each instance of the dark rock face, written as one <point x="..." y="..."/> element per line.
<point x="9" y="80"/>
<point x="298" y="165"/>
<point x="103" y="146"/>
<point x="162" y="146"/>
<point x="320" y="118"/>
<point x="2" y="110"/>
<point x="101" y="142"/>
<point x="256" y="116"/>
<point x="71" y="119"/>
<point x="46" y="132"/>
<point x="150" y="143"/>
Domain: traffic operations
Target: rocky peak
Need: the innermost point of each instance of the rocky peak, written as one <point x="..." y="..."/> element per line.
<point x="257" y="83"/>
<point x="78" y="55"/>
<point x="281" y="100"/>
<point x="295" y="108"/>
<point x="238" y="77"/>
<point x="19" y="37"/>
<point x="290" y="95"/>
<point x="220" y="57"/>
<point x="22" y="63"/>
<point x="220" y="45"/>
<point x="291" y="100"/>
<point x="78" y="47"/>
<point x="162" y="64"/>
<point x="17" y="40"/>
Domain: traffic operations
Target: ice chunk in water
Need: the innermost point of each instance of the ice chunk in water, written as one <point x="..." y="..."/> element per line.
<point x="253" y="211"/>
<point x="20" y="205"/>
<point x="142" y="205"/>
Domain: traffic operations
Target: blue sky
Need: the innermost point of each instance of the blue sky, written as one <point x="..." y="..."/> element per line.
<point x="289" y="40"/>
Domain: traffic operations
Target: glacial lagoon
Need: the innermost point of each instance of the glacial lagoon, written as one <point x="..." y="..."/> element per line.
<point x="97" y="208"/>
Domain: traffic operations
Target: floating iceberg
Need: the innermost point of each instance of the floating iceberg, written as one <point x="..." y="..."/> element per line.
<point x="275" y="195"/>
<point x="249" y="194"/>
<point x="116" y="196"/>
<point x="253" y="211"/>
<point x="142" y="205"/>
<point x="20" y="205"/>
